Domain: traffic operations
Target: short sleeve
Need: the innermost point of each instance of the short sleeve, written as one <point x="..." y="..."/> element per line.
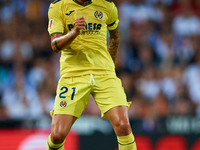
<point x="113" y="21"/>
<point x="55" y="20"/>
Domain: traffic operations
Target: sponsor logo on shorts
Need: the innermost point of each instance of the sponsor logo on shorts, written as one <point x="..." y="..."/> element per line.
<point x="98" y="14"/>
<point x="63" y="104"/>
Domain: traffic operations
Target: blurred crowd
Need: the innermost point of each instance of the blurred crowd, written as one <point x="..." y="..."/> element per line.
<point x="158" y="61"/>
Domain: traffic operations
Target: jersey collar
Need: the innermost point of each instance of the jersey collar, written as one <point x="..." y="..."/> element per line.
<point x="89" y="2"/>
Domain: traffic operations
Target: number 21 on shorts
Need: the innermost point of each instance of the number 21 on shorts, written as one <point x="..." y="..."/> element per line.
<point x="65" y="90"/>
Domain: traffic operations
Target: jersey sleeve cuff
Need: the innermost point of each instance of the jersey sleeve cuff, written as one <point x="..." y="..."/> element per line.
<point x="55" y="33"/>
<point x="113" y="25"/>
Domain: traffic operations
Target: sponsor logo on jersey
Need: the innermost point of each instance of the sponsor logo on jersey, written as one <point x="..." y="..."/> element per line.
<point x="51" y="24"/>
<point x="63" y="104"/>
<point x="98" y="14"/>
<point x="70" y="12"/>
<point x="89" y="26"/>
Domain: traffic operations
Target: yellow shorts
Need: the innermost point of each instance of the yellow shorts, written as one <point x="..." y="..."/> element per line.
<point x="72" y="95"/>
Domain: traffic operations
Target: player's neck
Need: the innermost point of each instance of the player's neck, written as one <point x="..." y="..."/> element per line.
<point x="83" y="1"/>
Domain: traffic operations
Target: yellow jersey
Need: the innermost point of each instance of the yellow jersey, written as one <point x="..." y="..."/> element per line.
<point x="88" y="53"/>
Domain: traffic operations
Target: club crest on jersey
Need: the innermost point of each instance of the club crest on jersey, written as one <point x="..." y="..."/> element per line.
<point x="63" y="104"/>
<point x="98" y="14"/>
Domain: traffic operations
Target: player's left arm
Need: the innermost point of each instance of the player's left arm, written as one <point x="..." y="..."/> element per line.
<point x="113" y="45"/>
<point x="112" y="25"/>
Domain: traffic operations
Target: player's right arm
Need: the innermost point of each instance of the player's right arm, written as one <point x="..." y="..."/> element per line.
<point x="56" y="28"/>
<point x="59" y="41"/>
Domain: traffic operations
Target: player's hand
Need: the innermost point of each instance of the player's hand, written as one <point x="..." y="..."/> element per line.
<point x="80" y="24"/>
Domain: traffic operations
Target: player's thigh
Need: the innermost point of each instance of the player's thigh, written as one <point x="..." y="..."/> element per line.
<point x="61" y="125"/>
<point x="119" y="119"/>
<point x="72" y="96"/>
<point x="109" y="93"/>
<point x="117" y="113"/>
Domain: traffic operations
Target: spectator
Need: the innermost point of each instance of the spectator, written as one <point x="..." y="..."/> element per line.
<point x="186" y="23"/>
<point x="22" y="97"/>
